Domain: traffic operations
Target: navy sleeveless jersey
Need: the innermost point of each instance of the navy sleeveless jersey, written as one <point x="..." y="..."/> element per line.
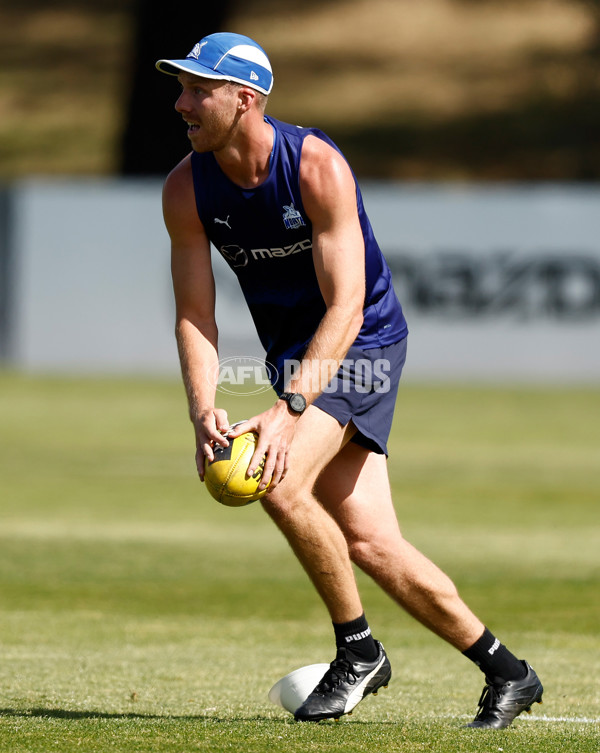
<point x="266" y="238"/>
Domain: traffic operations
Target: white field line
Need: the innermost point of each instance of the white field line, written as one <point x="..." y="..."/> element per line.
<point x="542" y="718"/>
<point x="569" y="719"/>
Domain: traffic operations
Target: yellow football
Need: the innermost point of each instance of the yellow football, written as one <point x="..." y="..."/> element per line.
<point x="225" y="476"/>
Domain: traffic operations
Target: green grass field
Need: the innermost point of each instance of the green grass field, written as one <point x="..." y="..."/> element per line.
<point x="139" y="615"/>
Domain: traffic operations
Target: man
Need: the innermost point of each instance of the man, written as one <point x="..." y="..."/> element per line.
<point x="282" y="206"/>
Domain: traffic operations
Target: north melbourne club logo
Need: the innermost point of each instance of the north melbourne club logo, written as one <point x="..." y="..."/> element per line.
<point x="195" y="53"/>
<point x="292" y="218"/>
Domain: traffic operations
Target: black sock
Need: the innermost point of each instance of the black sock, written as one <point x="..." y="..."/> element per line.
<point x="494" y="659"/>
<point x="355" y="636"/>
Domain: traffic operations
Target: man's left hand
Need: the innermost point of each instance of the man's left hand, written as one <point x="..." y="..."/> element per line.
<point x="275" y="428"/>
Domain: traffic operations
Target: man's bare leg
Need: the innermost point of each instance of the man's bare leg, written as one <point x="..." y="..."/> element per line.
<point x="313" y="535"/>
<point x="355" y="489"/>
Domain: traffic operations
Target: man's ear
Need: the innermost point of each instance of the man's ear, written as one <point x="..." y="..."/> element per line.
<point x="246" y="97"/>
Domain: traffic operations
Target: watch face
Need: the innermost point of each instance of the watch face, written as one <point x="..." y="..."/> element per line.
<point x="297" y="403"/>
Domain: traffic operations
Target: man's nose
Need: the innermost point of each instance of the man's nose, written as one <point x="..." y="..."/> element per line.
<point x="182" y="105"/>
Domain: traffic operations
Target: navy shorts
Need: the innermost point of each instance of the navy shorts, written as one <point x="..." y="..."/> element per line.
<point x="364" y="391"/>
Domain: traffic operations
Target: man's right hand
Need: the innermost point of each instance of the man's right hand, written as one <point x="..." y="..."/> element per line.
<point x="210" y="428"/>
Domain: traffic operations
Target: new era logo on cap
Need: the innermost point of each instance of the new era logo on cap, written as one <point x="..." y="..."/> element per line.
<point x="230" y="57"/>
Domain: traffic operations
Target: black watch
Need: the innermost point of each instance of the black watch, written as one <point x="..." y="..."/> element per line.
<point x="295" y="400"/>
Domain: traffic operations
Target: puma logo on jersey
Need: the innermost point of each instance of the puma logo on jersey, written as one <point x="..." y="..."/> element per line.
<point x="223" y="222"/>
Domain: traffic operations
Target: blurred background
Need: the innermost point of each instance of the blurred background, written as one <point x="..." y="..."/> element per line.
<point x="472" y="126"/>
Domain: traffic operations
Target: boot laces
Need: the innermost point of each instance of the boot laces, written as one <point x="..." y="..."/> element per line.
<point x="340" y="670"/>
<point x="490" y="695"/>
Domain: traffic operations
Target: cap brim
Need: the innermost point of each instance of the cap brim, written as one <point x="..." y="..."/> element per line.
<point x="174" y="67"/>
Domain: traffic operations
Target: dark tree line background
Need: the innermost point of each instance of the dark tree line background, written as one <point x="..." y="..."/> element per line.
<point x="540" y="139"/>
<point x="162" y="30"/>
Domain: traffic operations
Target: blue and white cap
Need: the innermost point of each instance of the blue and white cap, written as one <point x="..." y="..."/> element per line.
<point x="226" y="56"/>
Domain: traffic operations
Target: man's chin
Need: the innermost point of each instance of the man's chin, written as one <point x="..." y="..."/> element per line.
<point x="197" y="145"/>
